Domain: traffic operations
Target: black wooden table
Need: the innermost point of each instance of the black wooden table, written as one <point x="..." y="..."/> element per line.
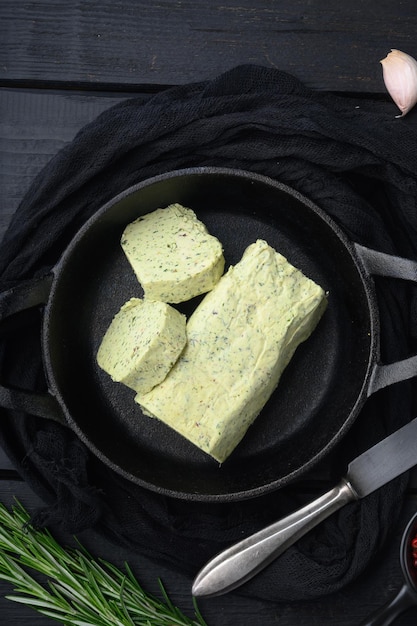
<point x="62" y="63"/>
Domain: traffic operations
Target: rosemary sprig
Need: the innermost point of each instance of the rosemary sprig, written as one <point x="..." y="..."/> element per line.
<point x="79" y="590"/>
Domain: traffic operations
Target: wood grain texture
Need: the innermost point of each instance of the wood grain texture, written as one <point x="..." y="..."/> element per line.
<point x="328" y="45"/>
<point x="34" y="126"/>
<point x="346" y="608"/>
<point x="5" y="464"/>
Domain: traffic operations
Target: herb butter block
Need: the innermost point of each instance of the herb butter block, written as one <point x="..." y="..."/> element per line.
<point x="142" y="343"/>
<point x="240" y="339"/>
<point x="172" y="254"/>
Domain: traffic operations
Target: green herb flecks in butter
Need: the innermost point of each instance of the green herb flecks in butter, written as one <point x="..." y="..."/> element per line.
<point x="142" y="343"/>
<point x="240" y="339"/>
<point x="172" y="254"/>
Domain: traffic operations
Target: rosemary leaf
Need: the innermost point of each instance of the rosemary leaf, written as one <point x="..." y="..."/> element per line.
<point x="79" y="590"/>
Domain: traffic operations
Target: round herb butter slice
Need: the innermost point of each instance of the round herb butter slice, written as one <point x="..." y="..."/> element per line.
<point x="142" y="343"/>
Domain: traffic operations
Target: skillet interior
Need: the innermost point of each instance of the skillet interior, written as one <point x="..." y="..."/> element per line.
<point x="319" y="393"/>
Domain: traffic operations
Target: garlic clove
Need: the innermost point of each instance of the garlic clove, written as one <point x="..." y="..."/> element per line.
<point x="400" y="77"/>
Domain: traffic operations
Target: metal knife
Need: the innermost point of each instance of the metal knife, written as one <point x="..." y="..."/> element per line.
<point x="383" y="462"/>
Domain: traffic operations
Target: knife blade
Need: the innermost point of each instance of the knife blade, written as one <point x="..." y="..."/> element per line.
<point x="386" y="460"/>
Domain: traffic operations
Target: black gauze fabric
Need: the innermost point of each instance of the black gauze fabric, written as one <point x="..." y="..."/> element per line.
<point x="352" y="158"/>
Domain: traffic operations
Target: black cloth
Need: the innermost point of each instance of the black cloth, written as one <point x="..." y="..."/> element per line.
<point x="350" y="156"/>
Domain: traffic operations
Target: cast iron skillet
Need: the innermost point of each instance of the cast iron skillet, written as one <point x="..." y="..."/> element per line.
<point x="321" y="392"/>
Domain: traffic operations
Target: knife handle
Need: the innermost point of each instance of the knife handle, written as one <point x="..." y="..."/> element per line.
<point x="243" y="560"/>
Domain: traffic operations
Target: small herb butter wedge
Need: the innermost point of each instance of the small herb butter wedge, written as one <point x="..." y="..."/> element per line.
<point x="142" y="343"/>
<point x="240" y="339"/>
<point x="172" y="254"/>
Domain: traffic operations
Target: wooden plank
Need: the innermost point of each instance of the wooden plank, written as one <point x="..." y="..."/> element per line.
<point x="34" y="126"/>
<point x="332" y="46"/>
<point x="5" y="464"/>
<point x="346" y="608"/>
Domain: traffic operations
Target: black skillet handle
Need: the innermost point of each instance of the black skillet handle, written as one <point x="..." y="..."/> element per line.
<point x="20" y="298"/>
<point x="381" y="264"/>
<point x="386" y="615"/>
